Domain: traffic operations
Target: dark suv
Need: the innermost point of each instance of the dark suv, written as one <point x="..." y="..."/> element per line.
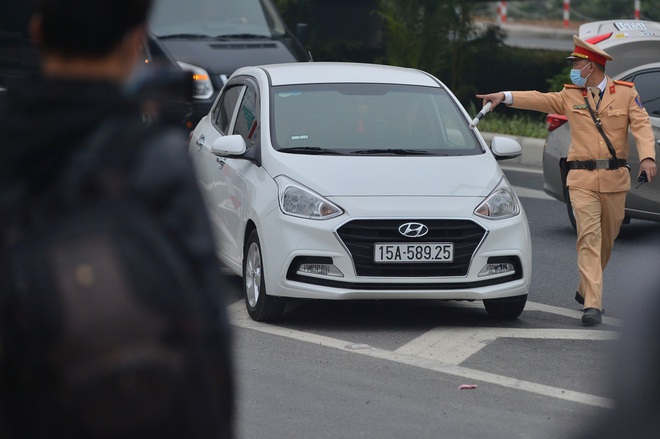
<point x="213" y="38"/>
<point x="17" y="54"/>
<point x="159" y="79"/>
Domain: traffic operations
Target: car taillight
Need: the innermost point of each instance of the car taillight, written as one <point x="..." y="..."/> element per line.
<point x="554" y="121"/>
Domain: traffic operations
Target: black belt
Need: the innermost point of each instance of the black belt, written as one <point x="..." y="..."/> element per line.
<point x="597" y="164"/>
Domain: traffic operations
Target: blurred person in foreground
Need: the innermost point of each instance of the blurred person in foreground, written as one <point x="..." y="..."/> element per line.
<point x="635" y="362"/>
<point x="598" y="176"/>
<point x="89" y="50"/>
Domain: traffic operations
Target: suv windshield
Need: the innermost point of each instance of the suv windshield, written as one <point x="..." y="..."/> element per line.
<point x="369" y="119"/>
<point x="216" y="19"/>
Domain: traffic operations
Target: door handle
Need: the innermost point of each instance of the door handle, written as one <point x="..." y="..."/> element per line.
<point x="221" y="161"/>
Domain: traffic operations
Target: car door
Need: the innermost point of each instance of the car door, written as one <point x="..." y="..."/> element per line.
<point x="235" y="186"/>
<point x="645" y="197"/>
<point x="210" y="167"/>
<point x="235" y="112"/>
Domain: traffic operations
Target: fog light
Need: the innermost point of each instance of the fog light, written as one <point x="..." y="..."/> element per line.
<point x="497" y="268"/>
<point x="320" y="270"/>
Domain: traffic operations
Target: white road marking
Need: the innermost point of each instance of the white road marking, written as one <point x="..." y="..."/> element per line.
<point x="442" y="350"/>
<point x="527" y="169"/>
<point x="455" y="345"/>
<point x="564" y="312"/>
<point x="524" y="192"/>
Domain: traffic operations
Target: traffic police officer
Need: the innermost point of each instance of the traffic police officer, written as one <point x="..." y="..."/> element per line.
<point x="597" y="180"/>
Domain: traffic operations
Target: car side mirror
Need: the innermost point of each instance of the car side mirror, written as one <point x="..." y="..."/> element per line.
<point x="229" y="145"/>
<point x="505" y="148"/>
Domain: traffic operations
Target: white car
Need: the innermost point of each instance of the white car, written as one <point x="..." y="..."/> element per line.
<point x="356" y="181"/>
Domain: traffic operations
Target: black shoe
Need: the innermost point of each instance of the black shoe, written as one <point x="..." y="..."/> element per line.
<point x="591" y="317"/>
<point x="578" y="298"/>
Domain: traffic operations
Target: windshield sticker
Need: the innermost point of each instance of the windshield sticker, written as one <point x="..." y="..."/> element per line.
<point x="289" y="93"/>
<point x="300" y="137"/>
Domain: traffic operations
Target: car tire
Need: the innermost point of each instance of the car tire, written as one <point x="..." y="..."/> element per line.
<point x="569" y="208"/>
<point x="260" y="306"/>
<point x="506" y="308"/>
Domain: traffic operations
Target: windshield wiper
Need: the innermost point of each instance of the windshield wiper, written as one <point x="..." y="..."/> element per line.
<point x="196" y="36"/>
<point x="392" y="151"/>
<point x="310" y="150"/>
<point x="240" y="36"/>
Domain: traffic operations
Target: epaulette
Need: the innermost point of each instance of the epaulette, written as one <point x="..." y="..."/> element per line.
<point x="573" y="86"/>
<point x="626" y="83"/>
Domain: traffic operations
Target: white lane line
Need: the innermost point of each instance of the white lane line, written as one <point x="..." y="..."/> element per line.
<point x="238" y="317"/>
<point x="528" y="169"/>
<point x="550" y="309"/>
<point x="455" y="345"/>
<point x="573" y="313"/>
<point x="524" y="192"/>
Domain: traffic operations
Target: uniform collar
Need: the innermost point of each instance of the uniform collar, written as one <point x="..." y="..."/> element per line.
<point x="602" y="84"/>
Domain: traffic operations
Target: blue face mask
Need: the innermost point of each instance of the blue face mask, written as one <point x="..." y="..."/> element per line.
<point x="576" y="77"/>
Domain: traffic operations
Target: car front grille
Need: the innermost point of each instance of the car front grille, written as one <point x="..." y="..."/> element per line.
<point x="359" y="237"/>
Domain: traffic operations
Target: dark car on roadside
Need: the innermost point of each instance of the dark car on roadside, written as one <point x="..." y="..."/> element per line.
<point x="635" y="47"/>
<point x="159" y="79"/>
<point x="212" y="38"/>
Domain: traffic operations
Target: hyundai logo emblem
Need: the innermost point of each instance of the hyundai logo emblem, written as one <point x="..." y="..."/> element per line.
<point x="413" y="230"/>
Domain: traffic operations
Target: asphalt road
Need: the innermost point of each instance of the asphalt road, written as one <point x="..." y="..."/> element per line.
<point x="393" y="369"/>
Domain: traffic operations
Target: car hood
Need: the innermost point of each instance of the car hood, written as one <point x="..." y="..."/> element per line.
<point x="342" y="176"/>
<point x="224" y="57"/>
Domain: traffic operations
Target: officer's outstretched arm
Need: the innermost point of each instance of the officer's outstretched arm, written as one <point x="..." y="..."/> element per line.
<point x="495" y="98"/>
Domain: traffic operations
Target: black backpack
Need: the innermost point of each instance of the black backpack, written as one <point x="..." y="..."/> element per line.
<point x="103" y="332"/>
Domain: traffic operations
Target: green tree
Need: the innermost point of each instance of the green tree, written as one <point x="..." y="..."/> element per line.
<point x="294" y="11"/>
<point x="429" y="35"/>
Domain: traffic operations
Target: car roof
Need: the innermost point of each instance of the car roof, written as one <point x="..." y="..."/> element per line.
<point x="629" y="42"/>
<point x="338" y="72"/>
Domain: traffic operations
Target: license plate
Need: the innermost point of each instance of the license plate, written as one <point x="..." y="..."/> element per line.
<point x="630" y="25"/>
<point x="417" y="252"/>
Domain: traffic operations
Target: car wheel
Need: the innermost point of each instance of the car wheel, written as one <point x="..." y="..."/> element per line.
<point x="569" y="208"/>
<point x="506" y="308"/>
<point x="260" y="306"/>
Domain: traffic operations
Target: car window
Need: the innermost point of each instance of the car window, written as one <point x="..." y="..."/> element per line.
<point x="369" y="119"/>
<point x="247" y="121"/>
<point x="646" y="83"/>
<point x="215" y="18"/>
<point x="223" y="111"/>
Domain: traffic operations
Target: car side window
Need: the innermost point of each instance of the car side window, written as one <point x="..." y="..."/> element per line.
<point x="224" y="109"/>
<point x="646" y="83"/>
<point x="247" y="119"/>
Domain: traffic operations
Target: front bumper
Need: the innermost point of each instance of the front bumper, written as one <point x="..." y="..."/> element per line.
<point x="289" y="242"/>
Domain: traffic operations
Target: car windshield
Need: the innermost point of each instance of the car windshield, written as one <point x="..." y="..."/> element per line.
<point x="369" y="119"/>
<point x="221" y="19"/>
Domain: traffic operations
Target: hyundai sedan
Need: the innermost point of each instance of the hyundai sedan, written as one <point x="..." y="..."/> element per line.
<point x="354" y="181"/>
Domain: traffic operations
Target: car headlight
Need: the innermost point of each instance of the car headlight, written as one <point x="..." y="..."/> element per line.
<point x="202" y="86"/>
<point x="501" y="203"/>
<point x="298" y="200"/>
